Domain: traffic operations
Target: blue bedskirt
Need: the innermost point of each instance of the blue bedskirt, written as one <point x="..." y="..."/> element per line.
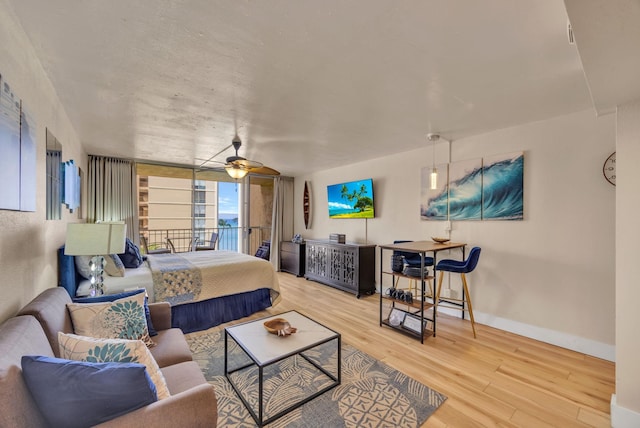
<point x="205" y="314"/>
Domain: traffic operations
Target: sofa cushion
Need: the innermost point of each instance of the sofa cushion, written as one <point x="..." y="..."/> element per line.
<point x="131" y="256"/>
<point x="121" y="319"/>
<point x="18" y="336"/>
<point x="171" y="348"/>
<point x="113" y="266"/>
<point x="113" y="297"/>
<point x="79" y="394"/>
<point x="94" y="350"/>
<point x="183" y="376"/>
<point x="49" y="308"/>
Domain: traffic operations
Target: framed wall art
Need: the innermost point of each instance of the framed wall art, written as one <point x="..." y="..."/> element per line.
<point x="18" y="148"/>
<point x="465" y="190"/>
<point x="503" y="187"/>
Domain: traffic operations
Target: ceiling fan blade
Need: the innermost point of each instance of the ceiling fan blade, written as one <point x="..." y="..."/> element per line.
<point x="265" y="170"/>
<point x="220" y="152"/>
<point x="246" y="164"/>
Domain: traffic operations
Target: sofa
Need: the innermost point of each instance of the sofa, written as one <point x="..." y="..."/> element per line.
<point x="34" y="331"/>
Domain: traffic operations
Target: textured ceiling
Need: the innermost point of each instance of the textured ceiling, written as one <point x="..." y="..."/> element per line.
<point x="308" y="84"/>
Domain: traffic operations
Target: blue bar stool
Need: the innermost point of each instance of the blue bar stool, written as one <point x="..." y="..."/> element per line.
<point x="411" y="260"/>
<point x="463" y="268"/>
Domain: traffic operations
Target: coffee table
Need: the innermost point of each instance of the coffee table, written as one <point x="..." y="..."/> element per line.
<point x="262" y="350"/>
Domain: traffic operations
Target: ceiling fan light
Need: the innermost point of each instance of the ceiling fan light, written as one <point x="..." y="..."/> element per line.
<point x="235" y="172"/>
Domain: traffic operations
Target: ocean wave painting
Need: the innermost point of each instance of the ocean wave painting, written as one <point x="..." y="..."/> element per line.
<point x="503" y="187"/>
<point x="487" y="189"/>
<point x="465" y="190"/>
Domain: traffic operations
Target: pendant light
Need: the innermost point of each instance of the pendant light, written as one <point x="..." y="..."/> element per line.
<point x="434" y="172"/>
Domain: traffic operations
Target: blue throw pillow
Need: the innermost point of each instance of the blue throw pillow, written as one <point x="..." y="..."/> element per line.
<point x="113" y="297"/>
<point x="131" y="258"/>
<point x="79" y="394"/>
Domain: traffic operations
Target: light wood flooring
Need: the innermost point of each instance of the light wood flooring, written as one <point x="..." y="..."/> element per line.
<point x="499" y="379"/>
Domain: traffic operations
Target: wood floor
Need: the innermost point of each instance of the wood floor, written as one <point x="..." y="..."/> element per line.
<point x="499" y="379"/>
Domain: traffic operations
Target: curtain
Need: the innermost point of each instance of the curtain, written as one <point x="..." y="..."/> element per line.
<point x="282" y="220"/>
<point x="112" y="192"/>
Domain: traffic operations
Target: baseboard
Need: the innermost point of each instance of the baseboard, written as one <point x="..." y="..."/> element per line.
<point x="564" y="340"/>
<point x="622" y="417"/>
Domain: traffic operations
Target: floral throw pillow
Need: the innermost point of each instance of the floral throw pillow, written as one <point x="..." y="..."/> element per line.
<point x="95" y="350"/>
<point x="121" y="319"/>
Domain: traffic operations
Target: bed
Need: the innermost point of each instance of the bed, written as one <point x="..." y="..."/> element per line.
<point x="204" y="288"/>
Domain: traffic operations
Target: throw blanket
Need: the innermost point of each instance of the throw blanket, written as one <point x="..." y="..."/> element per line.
<point x="175" y="279"/>
<point x="202" y="275"/>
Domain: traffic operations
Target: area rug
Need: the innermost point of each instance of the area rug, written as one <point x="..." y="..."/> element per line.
<point x="371" y="393"/>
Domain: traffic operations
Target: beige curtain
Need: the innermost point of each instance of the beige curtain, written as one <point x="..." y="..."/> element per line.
<point x="112" y="196"/>
<point x="282" y="221"/>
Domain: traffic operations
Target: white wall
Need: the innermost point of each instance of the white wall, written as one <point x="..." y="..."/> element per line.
<point x="625" y="409"/>
<point x="28" y="242"/>
<point x="551" y="276"/>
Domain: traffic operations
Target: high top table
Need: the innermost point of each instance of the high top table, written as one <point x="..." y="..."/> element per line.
<point x="422" y="248"/>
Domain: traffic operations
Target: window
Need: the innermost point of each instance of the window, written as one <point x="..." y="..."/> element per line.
<point x="181" y="204"/>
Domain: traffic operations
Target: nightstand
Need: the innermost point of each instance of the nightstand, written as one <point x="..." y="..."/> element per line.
<point x="292" y="257"/>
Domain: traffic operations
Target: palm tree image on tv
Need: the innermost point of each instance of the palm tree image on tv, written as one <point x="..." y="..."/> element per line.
<point x="351" y="200"/>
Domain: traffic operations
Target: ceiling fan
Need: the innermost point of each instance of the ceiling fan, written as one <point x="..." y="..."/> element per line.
<point x="237" y="166"/>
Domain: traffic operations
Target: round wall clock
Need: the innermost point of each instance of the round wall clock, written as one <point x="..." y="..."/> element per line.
<point x="609" y="168"/>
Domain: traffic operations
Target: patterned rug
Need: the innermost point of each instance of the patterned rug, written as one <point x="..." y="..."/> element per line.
<point x="371" y="393"/>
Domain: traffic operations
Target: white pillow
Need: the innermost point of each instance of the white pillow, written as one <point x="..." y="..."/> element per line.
<point x="82" y="266"/>
<point x="113" y="265"/>
<point x="94" y="350"/>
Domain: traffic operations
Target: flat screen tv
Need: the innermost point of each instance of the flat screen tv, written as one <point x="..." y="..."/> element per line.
<point x="351" y="200"/>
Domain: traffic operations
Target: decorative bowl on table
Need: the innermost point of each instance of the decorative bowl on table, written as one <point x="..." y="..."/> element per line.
<point x="279" y="327"/>
<point x="440" y="240"/>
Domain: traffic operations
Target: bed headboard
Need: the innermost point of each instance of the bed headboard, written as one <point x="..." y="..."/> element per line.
<point x="68" y="276"/>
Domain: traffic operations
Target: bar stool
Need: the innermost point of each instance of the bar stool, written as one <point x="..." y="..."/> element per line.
<point x="463" y="268"/>
<point x="411" y="260"/>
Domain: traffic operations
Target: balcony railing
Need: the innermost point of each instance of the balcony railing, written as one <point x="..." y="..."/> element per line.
<point x="228" y="238"/>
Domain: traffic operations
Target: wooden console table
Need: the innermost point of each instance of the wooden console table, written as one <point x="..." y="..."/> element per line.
<point x="348" y="267"/>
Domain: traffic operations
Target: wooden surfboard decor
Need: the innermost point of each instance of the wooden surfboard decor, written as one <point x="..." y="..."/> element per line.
<point x="306" y="207"/>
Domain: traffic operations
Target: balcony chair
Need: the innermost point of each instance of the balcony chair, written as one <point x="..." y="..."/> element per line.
<point x="210" y="246"/>
<point x="145" y="247"/>
<point x="264" y="251"/>
<point x="462" y="267"/>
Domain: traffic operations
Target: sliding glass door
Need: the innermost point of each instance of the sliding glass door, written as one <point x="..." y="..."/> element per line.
<point x="180" y="208"/>
<point x="258" y="212"/>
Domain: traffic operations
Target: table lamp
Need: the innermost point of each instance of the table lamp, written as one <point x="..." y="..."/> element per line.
<point x="97" y="240"/>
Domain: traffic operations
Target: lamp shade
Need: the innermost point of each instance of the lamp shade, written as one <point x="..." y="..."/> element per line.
<point x="235" y="171"/>
<point x="91" y="239"/>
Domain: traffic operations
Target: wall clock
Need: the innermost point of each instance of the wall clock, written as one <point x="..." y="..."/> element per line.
<point x="609" y="168"/>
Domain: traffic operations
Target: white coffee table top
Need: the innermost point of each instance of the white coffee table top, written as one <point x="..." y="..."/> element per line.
<point x="265" y="347"/>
